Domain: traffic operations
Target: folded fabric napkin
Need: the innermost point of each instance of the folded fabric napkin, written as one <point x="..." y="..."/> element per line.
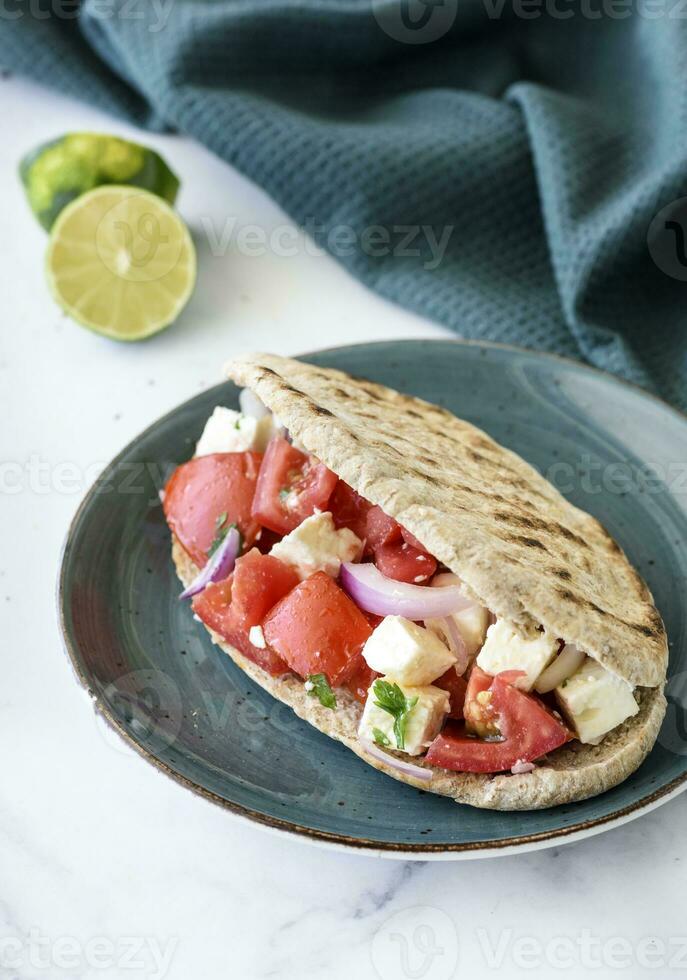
<point x="510" y="170"/>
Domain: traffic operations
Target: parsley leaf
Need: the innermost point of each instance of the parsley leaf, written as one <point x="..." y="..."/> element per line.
<point x="391" y="698"/>
<point x="221" y="531"/>
<point x="380" y="738"/>
<point x="321" y="690"/>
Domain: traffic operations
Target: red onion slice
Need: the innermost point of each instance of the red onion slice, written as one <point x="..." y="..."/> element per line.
<point x="407" y="768"/>
<point x="250" y="404"/>
<point x="384" y="596"/>
<point x="456" y="644"/>
<point x="564" y="666"/>
<point x="218" y="567"/>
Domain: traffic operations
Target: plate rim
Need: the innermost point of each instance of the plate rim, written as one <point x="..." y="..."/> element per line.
<point x="352" y="844"/>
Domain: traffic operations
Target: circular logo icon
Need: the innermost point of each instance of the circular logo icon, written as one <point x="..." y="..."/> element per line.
<point x="415" y="21"/>
<point x="148" y="702"/>
<point x="419" y="943"/>
<point x="667" y="239"/>
<point x="111" y="736"/>
<point x="135" y="240"/>
<point x="673" y="734"/>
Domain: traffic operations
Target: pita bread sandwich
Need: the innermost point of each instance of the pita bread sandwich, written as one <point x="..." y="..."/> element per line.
<point x="416" y="591"/>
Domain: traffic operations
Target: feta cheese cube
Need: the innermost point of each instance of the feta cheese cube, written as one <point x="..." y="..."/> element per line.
<point x="505" y="649"/>
<point x="257" y="637"/>
<point x="227" y="431"/>
<point x="423" y="722"/>
<point x="408" y="652"/>
<point x="316" y="546"/>
<point x="472" y="625"/>
<point x="595" y="701"/>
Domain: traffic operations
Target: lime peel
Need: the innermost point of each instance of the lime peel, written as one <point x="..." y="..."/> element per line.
<point x="56" y="173"/>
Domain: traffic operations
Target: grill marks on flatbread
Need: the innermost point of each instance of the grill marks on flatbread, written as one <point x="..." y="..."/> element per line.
<point x="573" y="772"/>
<point x="519" y="546"/>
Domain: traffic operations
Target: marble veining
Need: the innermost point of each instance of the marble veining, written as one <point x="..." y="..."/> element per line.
<point x="107" y="868"/>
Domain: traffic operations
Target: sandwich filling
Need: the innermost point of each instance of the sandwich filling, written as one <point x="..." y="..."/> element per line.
<point x="303" y="576"/>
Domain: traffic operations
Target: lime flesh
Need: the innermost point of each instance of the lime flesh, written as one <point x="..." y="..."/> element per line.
<point x="121" y="262"/>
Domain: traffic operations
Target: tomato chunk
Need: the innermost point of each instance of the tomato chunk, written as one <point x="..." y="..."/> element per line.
<point x="381" y="529"/>
<point x="349" y="509"/>
<point x="259" y="582"/>
<point x="368" y="521"/>
<point x="479" y="680"/>
<point x="317" y="629"/>
<point x="359" y="680"/>
<point x="480" y="716"/>
<point x="412" y="540"/>
<point x="213" y="605"/>
<point x="291" y="486"/>
<point x="266" y="540"/>
<point x="404" y="563"/>
<point x="456" y="687"/>
<point x="372" y="618"/>
<point x="529" y="731"/>
<point x="201" y="490"/>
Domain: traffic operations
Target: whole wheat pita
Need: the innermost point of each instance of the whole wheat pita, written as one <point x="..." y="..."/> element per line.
<point x="520" y="548"/>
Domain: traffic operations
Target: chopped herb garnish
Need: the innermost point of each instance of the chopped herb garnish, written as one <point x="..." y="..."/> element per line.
<point x="283" y="494"/>
<point x="380" y="738"/>
<point x="237" y="423"/>
<point x="318" y="687"/>
<point x="391" y="698"/>
<point x="221" y="531"/>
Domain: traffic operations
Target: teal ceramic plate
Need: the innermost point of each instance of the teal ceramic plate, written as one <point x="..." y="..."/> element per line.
<point x="156" y="677"/>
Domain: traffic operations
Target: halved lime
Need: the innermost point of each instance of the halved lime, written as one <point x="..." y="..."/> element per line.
<point x="121" y="262"/>
<point x="57" y="172"/>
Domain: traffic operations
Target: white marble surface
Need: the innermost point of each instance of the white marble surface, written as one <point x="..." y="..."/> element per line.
<point x="107" y="868"/>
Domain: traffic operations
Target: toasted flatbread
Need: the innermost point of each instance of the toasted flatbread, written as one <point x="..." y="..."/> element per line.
<point x="568" y="774"/>
<point x="519" y="547"/>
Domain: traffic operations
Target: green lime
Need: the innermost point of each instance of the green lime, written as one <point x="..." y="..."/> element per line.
<point x="121" y="262"/>
<point x="57" y="172"/>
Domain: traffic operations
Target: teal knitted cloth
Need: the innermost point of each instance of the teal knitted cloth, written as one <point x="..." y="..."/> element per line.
<point x="495" y="167"/>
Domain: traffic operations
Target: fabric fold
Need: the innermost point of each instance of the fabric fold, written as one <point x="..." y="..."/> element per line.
<point x="500" y="178"/>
